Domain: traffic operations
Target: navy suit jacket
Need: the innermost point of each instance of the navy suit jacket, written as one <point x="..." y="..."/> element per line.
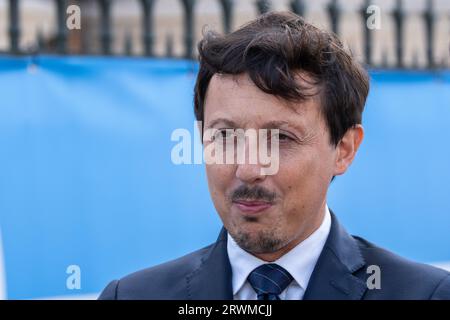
<point x="340" y="273"/>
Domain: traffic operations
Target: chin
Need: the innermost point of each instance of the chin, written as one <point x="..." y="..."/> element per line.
<point x="258" y="238"/>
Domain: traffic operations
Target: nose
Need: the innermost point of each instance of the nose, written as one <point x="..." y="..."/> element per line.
<point x="249" y="173"/>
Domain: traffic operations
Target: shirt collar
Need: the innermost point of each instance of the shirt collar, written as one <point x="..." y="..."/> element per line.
<point x="299" y="261"/>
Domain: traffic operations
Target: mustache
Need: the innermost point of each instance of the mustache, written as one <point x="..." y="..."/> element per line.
<point x="253" y="193"/>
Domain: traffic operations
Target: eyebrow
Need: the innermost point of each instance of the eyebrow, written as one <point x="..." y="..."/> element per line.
<point x="228" y="123"/>
<point x="268" y="125"/>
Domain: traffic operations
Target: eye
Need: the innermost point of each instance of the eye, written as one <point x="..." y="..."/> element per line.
<point x="223" y="134"/>
<point x="282" y="137"/>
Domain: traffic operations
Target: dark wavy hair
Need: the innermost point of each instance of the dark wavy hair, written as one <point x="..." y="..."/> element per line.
<point x="274" y="50"/>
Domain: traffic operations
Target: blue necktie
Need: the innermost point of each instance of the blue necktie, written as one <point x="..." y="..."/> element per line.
<point x="269" y="280"/>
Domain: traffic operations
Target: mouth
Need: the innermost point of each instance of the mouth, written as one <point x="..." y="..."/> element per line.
<point x="252" y="206"/>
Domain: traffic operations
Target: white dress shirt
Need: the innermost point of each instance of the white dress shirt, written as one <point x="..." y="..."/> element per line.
<point x="299" y="262"/>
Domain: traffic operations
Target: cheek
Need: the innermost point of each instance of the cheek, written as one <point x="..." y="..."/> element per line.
<point x="295" y="166"/>
<point x="304" y="176"/>
<point x="219" y="178"/>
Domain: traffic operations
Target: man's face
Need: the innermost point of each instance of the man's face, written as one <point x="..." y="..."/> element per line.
<point x="266" y="213"/>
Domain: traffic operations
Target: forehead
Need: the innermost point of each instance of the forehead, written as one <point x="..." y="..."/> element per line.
<point x="237" y="98"/>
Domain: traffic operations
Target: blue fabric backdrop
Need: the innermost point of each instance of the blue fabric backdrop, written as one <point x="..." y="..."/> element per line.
<point x="86" y="176"/>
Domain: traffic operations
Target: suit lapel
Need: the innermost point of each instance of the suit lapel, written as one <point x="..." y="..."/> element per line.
<point x="212" y="280"/>
<point x="333" y="276"/>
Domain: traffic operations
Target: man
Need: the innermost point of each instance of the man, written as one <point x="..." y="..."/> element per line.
<point x="280" y="240"/>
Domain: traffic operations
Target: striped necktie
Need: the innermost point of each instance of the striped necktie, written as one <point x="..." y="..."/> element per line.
<point x="269" y="280"/>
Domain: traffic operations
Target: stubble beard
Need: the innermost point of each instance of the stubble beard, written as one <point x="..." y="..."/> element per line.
<point x="262" y="241"/>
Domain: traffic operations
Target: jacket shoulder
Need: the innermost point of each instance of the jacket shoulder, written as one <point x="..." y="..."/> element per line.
<point x="166" y="281"/>
<point x="401" y="278"/>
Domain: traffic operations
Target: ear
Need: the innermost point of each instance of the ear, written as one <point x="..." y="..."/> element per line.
<point x="347" y="148"/>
